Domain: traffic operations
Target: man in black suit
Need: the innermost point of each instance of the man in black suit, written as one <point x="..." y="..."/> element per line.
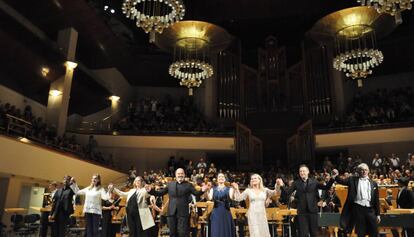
<point x="62" y="207"/>
<point x="405" y="199"/>
<point x="179" y="192"/>
<point x="307" y="197"/>
<point x="362" y="207"/>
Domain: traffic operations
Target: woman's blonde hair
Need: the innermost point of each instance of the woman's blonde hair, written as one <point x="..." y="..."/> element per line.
<point x="261" y="187"/>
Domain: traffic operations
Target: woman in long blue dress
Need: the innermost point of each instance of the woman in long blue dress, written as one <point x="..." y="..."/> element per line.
<point x="221" y="221"/>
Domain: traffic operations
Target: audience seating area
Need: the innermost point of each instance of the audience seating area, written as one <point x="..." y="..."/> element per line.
<point x="25" y="124"/>
<point x="151" y="115"/>
<point x="380" y="108"/>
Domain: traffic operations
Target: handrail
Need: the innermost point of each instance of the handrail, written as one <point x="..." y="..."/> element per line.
<point x="18" y="119"/>
<point x="153" y="133"/>
<point x="363" y="127"/>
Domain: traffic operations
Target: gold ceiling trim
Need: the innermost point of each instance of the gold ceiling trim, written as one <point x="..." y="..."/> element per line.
<point x="210" y="35"/>
<point x="331" y="24"/>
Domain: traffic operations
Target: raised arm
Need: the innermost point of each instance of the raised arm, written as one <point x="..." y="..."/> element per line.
<point x="285" y="191"/>
<point x="198" y="193"/>
<point x="326" y="186"/>
<point x="338" y="179"/>
<point x="237" y="195"/>
<point x="75" y="188"/>
<point x="157" y="193"/>
<point x="120" y="193"/>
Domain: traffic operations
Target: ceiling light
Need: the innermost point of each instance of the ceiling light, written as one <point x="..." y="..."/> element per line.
<point x="193" y="43"/>
<point x="45" y="71"/>
<point x="392" y="7"/>
<point x="154" y="15"/>
<point x="356" y="52"/>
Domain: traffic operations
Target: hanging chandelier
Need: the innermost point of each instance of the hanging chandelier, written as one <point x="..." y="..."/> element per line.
<point x="356" y="52"/>
<point x="191" y="62"/>
<point x="154" y="15"/>
<point x="354" y="32"/>
<point x="192" y="44"/>
<point x="191" y="72"/>
<point x="392" y="7"/>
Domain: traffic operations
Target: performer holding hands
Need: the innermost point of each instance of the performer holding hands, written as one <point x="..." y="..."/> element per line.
<point x="221" y="221"/>
<point x="256" y="215"/>
<point x="139" y="216"/>
<point x="362" y="207"/>
<point x="179" y="192"/>
<point x="62" y="207"/>
<point x="92" y="208"/>
<point x="307" y="200"/>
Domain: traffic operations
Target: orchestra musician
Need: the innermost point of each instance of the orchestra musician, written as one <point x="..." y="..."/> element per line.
<point x="109" y="209"/>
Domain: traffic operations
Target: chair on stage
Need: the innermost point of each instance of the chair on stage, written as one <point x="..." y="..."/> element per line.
<point x="77" y="222"/>
<point x="238" y="215"/>
<point x="203" y="220"/>
<point x="74" y="228"/>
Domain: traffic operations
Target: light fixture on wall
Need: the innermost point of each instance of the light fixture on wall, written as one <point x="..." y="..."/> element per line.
<point x="45" y="71"/>
<point x="154" y="15"/>
<point x="192" y="44"/>
<point x="71" y="65"/>
<point x="23" y="139"/>
<point x="392" y="7"/>
<point x="55" y="93"/>
<point x="114" y="98"/>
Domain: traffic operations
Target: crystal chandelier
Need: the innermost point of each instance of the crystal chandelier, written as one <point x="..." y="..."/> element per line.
<point x="192" y="44"/>
<point x="191" y="62"/>
<point x="356" y="52"/>
<point x="392" y="7"/>
<point x="191" y="72"/>
<point x="154" y="15"/>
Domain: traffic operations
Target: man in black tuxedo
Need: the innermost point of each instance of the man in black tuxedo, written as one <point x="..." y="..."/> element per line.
<point x="179" y="192"/>
<point x="62" y="207"/>
<point x="405" y="199"/>
<point x="307" y="197"/>
<point x="362" y="207"/>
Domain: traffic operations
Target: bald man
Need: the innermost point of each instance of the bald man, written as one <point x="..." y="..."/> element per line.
<point x="179" y="192"/>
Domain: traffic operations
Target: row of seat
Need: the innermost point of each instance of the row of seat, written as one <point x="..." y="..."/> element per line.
<point x="25" y="225"/>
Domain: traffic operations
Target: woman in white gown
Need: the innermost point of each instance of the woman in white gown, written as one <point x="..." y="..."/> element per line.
<point x="256" y="214"/>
